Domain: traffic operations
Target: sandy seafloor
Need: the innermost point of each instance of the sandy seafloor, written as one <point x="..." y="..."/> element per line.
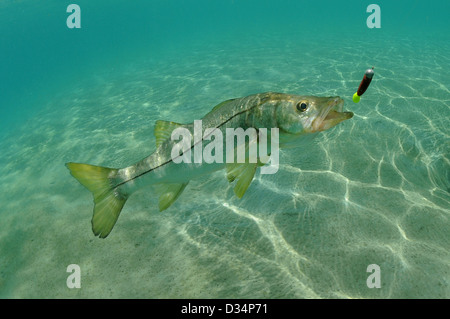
<point x="373" y="190"/>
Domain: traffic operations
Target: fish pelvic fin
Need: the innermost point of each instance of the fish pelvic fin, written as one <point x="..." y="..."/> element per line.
<point x="168" y="194"/>
<point x="108" y="201"/>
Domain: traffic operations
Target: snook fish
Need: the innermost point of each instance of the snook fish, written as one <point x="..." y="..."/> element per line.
<point x="295" y="116"/>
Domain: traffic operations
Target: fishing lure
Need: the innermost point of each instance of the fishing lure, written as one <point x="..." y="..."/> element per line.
<point x="368" y="75"/>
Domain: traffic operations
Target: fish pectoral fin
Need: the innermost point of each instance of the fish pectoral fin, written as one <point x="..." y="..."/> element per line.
<point x="243" y="173"/>
<point x="163" y="130"/>
<point x="168" y="193"/>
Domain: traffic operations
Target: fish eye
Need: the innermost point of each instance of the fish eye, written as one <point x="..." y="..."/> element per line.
<point x="302" y="106"/>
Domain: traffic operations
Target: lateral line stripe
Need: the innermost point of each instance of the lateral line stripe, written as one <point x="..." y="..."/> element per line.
<point x="167" y="162"/>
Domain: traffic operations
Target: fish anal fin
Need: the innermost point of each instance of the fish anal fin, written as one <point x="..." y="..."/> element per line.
<point x="163" y="130"/>
<point x="243" y="173"/>
<point x="168" y="194"/>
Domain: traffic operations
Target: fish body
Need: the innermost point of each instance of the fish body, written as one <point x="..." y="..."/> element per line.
<point x="293" y="116"/>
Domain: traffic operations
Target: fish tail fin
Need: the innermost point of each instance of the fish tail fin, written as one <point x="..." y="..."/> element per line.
<point x="108" y="201"/>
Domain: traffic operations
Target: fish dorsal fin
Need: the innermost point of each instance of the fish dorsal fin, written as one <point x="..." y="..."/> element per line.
<point x="243" y="173"/>
<point x="163" y="130"/>
<point x="218" y="106"/>
<point x="168" y="193"/>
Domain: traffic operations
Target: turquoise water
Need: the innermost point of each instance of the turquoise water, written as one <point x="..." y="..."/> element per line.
<point x="373" y="190"/>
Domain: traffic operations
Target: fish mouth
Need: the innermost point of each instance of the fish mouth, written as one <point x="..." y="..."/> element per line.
<point x="331" y="115"/>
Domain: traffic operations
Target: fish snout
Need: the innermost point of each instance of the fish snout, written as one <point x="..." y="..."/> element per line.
<point x="336" y="101"/>
<point x="331" y="115"/>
